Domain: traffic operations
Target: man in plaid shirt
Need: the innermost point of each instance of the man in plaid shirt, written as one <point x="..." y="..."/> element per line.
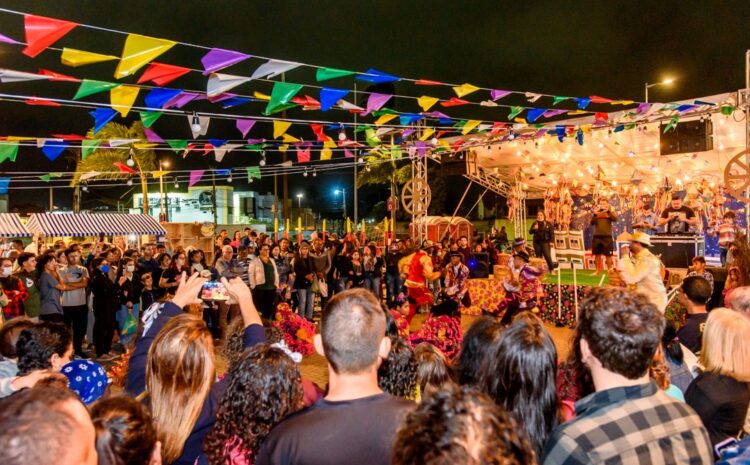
<point x="628" y="420"/>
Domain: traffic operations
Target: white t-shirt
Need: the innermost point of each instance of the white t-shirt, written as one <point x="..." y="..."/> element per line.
<point x="74" y="274"/>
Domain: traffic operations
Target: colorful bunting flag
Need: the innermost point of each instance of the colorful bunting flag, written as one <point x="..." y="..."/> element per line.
<point x="90" y="87"/>
<point x="303" y="154"/>
<point x="273" y="68"/>
<point x="427" y="82"/>
<point x="4" y="183"/>
<point x="152" y="136"/>
<point x="124" y="169"/>
<point x="253" y="172"/>
<point x="583" y="102"/>
<point x="465" y="89"/>
<point x="177" y="145"/>
<point x="123" y="97"/>
<point x="558" y="98"/>
<point x="327" y="153"/>
<point x="162" y="74"/>
<point x="139" y="51"/>
<point x="42" y="32"/>
<point x="384" y="119"/>
<point x="376" y="77"/>
<point x="7" y="40"/>
<point x="515" y="111"/>
<point x="534" y="114"/>
<point x="7" y="75"/>
<point x="88" y="146"/>
<point x="280" y="127"/>
<point x="470" y="124"/>
<point x="453" y="102"/>
<point x="159" y="97"/>
<point x="195" y="177"/>
<point x="409" y="118"/>
<point x="57" y="76"/>
<point x="48" y="177"/>
<point x="219" y="58"/>
<point x="53" y="149"/>
<point x="148" y="118"/>
<point x="102" y="116"/>
<point x="8" y="151"/>
<point x="244" y="126"/>
<point x="281" y="94"/>
<point x="89" y="175"/>
<point x="375" y="101"/>
<point x="73" y="57"/>
<point x="324" y="74"/>
<point x="425" y="102"/>
<point x="329" y="96"/>
<point x="497" y="94"/>
<point x="219" y="83"/>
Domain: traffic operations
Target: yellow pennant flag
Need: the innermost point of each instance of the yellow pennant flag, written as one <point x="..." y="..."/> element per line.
<point x="158" y="174"/>
<point x="520" y="120"/>
<point x="19" y="138"/>
<point x="283" y="147"/>
<point x="622" y="102"/>
<point x="578" y="112"/>
<point x="280" y="127"/>
<point x="586" y="128"/>
<point x="427" y="133"/>
<point x="289" y="138"/>
<point x="144" y="145"/>
<point x="327" y="153"/>
<point x="139" y="51"/>
<point x="427" y="102"/>
<point x="471" y="124"/>
<point x="260" y="96"/>
<point x="384" y="119"/>
<point x="464" y="89"/>
<point x="122" y="98"/>
<point x="73" y="57"/>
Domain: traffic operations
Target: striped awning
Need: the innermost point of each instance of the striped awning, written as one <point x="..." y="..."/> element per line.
<point x="11" y="226"/>
<point x="93" y="224"/>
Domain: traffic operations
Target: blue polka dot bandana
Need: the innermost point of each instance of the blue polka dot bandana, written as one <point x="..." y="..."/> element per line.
<point x="87" y="379"/>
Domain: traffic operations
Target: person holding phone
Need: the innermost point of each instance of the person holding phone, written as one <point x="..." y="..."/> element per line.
<point x="601" y="245"/>
<point x="302" y="267"/>
<point x="264" y="280"/>
<point x="543" y="232"/>
<point x="678" y="218"/>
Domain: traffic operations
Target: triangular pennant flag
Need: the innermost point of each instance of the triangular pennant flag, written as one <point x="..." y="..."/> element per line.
<point x="427" y="82"/>
<point x="288" y="138"/>
<point x="48" y="177"/>
<point x="88" y="146"/>
<point x="371" y="138"/>
<point x="152" y="136"/>
<point x="139" y="51"/>
<point x="303" y="154"/>
<point x="497" y="94"/>
<point x="349" y="106"/>
<point x="223" y="172"/>
<point x="396" y="152"/>
<point x="102" y="116"/>
<point x="464" y="89"/>
<point x="89" y="175"/>
<point x="532" y="97"/>
<point x="471" y="124"/>
<point x="41" y="141"/>
<point x="348" y="154"/>
<point x="534" y="114"/>
<point x="159" y="97"/>
<point x="162" y="74"/>
<point x="324" y="74"/>
<point x="377" y="77"/>
<point x="123" y="97"/>
<point x="425" y="102"/>
<point x="384" y="119"/>
<point x="558" y="98"/>
<point x="487" y="103"/>
<point x="121" y="142"/>
<point x="57" y="76"/>
<point x="52" y="150"/>
<point x="42" y="102"/>
<point x="144" y="145"/>
<point x="281" y="94"/>
<point x="218" y="58"/>
<point x="280" y="127"/>
<point x="273" y="68"/>
<point x="326" y="153"/>
<point x="203" y="122"/>
<point x="583" y="102"/>
<point x="159" y="174"/>
<point x="42" y="32"/>
<point x="148" y="118"/>
<point x="551" y="113"/>
<point x="375" y="101"/>
<point x="253" y="172"/>
<point x="261" y="96"/>
<point x="8" y="151"/>
<point x="317" y="129"/>
<point x="7" y="40"/>
<point x="89" y="87"/>
<point x="219" y="83"/>
<point x="73" y="57"/>
<point x="244" y="126"/>
<point x="234" y="101"/>
<point x="597" y="99"/>
<point x="329" y="96"/>
<point x="515" y="111"/>
<point x="4" y="183"/>
<point x="195" y="177"/>
<point x="124" y="169"/>
<point x="7" y="75"/>
<point x="453" y="102"/>
<point x="219" y="152"/>
<point x="177" y="145"/>
<point x="409" y="118"/>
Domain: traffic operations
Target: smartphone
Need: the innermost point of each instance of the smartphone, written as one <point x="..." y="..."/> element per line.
<point x="214" y="290"/>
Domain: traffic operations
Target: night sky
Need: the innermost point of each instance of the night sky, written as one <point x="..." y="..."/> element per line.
<point x="564" y="48"/>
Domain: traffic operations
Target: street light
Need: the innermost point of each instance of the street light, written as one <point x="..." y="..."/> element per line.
<point x="343" y="197"/>
<point x="162" y="200"/>
<point x="665" y="82"/>
<point x="299" y="201"/>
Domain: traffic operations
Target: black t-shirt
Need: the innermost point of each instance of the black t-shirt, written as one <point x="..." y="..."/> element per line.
<point x="676" y="225"/>
<point x="602" y="221"/>
<point x="721" y="402"/>
<point x="691" y="335"/>
<point x="337" y="433"/>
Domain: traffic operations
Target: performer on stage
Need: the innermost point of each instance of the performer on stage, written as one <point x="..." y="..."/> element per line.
<point x="641" y="269"/>
<point x="522" y="290"/>
<point x="419" y="274"/>
<point x="646" y="220"/>
<point x="456" y="280"/>
<point x="543" y="233"/>
<point x="601" y="245"/>
<point x="678" y="217"/>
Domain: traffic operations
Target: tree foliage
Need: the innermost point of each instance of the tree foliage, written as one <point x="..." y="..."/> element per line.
<point x="382" y="167"/>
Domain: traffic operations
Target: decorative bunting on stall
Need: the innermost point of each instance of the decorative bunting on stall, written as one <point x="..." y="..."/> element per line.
<point x="273" y="68"/>
<point x="470" y="124"/>
<point x="148" y="118"/>
<point x="152" y="136"/>
<point x="89" y="175"/>
<point x="8" y="151"/>
<point x="4" y="183"/>
<point x="375" y="101"/>
<point x="425" y="102"/>
<point x="454" y="102"/>
<point x="123" y="97"/>
<point x="558" y="99"/>
<point x="139" y="51"/>
<point x="7" y="75"/>
<point x="102" y="116"/>
<point x="90" y="87"/>
<point x="48" y="177"/>
<point x="219" y="83"/>
<point x="324" y="74"/>
<point x="124" y="169"/>
<point x="177" y="145"/>
<point x="583" y="102"/>
<point x="514" y="111"/>
<point x="7" y="40"/>
<point x="88" y="146"/>
<point x="162" y="74"/>
<point x="497" y="94"/>
<point x="330" y="96"/>
<point x="303" y="154"/>
<point x="159" y="97"/>
<point x="73" y="57"/>
<point x="534" y="114"/>
<point x="280" y="127"/>
<point x="532" y="97"/>
<point x="377" y="77"/>
<point x="42" y="32"/>
<point x="53" y="76"/>
<point x="53" y="149"/>
<point x="219" y="58"/>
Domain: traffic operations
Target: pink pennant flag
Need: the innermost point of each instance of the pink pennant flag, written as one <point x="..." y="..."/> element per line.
<point x="496" y="94"/>
<point x="244" y="126"/>
<point x="8" y="40"/>
<point x="376" y="101"/>
<point x="348" y="154"/>
<point x="303" y="154"/>
<point x="195" y="176"/>
<point x="219" y="58"/>
<point x="152" y="136"/>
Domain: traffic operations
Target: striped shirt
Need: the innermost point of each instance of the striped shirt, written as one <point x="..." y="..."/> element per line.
<point x="630" y="425"/>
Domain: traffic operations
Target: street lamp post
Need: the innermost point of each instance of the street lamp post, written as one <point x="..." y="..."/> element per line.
<point x="343" y="197"/>
<point x="299" y="207"/>
<point x="647" y="86"/>
<point x="162" y="200"/>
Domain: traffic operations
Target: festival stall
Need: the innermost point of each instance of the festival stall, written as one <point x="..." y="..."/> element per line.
<point x="94" y="225"/>
<point x="12" y="227"/>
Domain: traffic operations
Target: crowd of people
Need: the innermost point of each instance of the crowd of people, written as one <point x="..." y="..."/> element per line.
<point x="632" y="388"/>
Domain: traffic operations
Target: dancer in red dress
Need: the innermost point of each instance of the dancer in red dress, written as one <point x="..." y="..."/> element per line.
<point x="419" y="274"/>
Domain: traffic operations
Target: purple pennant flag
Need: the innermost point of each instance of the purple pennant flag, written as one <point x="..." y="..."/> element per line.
<point x="221" y="97"/>
<point x="551" y="113"/>
<point x="182" y="99"/>
<point x="437" y="114"/>
<point x="496" y="94"/>
<point x="244" y="126"/>
<point x="376" y="101"/>
<point x="255" y="141"/>
<point x="421" y="147"/>
<point x="408" y="132"/>
<point x="643" y="108"/>
<point x="195" y="176"/>
<point x="152" y="136"/>
<point x="219" y="58"/>
<point x="8" y="40"/>
<point x="348" y="154"/>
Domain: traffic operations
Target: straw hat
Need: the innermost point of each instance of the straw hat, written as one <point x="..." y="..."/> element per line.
<point x="641" y="238"/>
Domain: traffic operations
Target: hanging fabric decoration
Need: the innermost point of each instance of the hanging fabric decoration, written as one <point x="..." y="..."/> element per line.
<point x="261" y="96"/>
<point x="289" y="139"/>
<point x="317" y="129"/>
<point x="53" y="76"/>
<point x="551" y="113"/>
<point x="148" y="118"/>
<point x="159" y="97"/>
<point x="4" y="183"/>
<point x="465" y="89"/>
<point x="425" y="102"/>
<point x="219" y="83"/>
<point x="152" y="136"/>
<point x="42" y="32"/>
<point x="8" y="151"/>
<point x="7" y="40"/>
<point x="396" y="152"/>
<point x="7" y="75"/>
<point x="88" y="146"/>
<point x="597" y="99"/>
<point x="203" y="121"/>
<point x="273" y="68"/>
<point x="219" y="58"/>
<point x="73" y="57"/>
<point x="327" y="153"/>
<point x="219" y="152"/>
<point x="139" y="51"/>
<point x="244" y="126"/>
<point x="532" y="97"/>
<point x="162" y="74"/>
<point x="376" y="101"/>
<point x="324" y="74"/>
<point x="579" y="137"/>
<point x="454" y="102"/>
<point x="53" y="149"/>
<point x="195" y="177"/>
<point x="348" y="106"/>
<point x="177" y="145"/>
<point x="280" y="127"/>
<point x="281" y="94"/>
<point x="102" y="116"/>
<point x="121" y="142"/>
<point x="515" y="111"/>
<point x="303" y="154"/>
<point x="348" y="154"/>
<point x="253" y="172"/>
<point x="159" y="174"/>
<point x="427" y="82"/>
<point x="583" y="102"/>
<point x="89" y="87"/>
<point x="123" y="97"/>
<point x="534" y="114"/>
<point x="406" y="119"/>
<point x="371" y="138"/>
<point x="89" y="175"/>
<point x="487" y="103"/>
<point x="377" y="77"/>
<point x="124" y="169"/>
<point x="470" y="124"/>
<point x="330" y="96"/>
<point x="497" y="94"/>
<point x="182" y="99"/>
<point x="558" y="98"/>
<point x="384" y="119"/>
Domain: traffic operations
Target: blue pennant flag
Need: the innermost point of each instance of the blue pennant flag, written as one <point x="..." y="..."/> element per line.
<point x="223" y="172"/>
<point x="409" y="118"/>
<point x="217" y="142"/>
<point x="158" y="97"/>
<point x="583" y="102"/>
<point x="53" y="149"/>
<point x="534" y="113"/>
<point x="102" y="116"/>
<point x="579" y="137"/>
<point x="560" y="133"/>
<point x="377" y="77"/>
<point x="234" y="101"/>
<point x="329" y="96"/>
<point x="4" y="183"/>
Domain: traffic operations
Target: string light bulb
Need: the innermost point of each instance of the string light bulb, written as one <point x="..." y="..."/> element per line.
<point x="130" y="182"/>
<point x="130" y="161"/>
<point x="262" y="160"/>
<point x="434" y="141"/>
<point x="176" y="184"/>
<point x="229" y="178"/>
<point x="342" y="134"/>
<point x="315" y="172"/>
<point x="85" y="188"/>
<point x="195" y="126"/>
<point x="305" y="173"/>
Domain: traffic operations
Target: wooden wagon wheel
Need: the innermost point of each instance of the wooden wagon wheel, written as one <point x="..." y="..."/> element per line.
<point x="737" y="176"/>
<point x="416" y="196"/>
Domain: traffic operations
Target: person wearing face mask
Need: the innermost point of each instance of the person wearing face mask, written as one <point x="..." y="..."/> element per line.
<point x="14" y="290"/>
<point x="130" y="288"/>
<point x="105" y="308"/>
<point x="74" y="301"/>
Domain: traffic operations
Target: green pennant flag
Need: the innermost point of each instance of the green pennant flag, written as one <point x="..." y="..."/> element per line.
<point x="256" y="147"/>
<point x="515" y="111"/>
<point x="253" y="172"/>
<point x="384" y="111"/>
<point x="148" y="118"/>
<point x="324" y="74"/>
<point x="629" y="126"/>
<point x="396" y="152"/>
<point x="558" y="98"/>
<point x="281" y="94"/>
<point x="727" y="110"/>
<point x="8" y="151"/>
<point x="372" y="139"/>
<point x="672" y="123"/>
<point x="177" y="144"/>
<point x="361" y="128"/>
<point x="88" y="146"/>
<point x="89" y="87"/>
<point x="48" y="177"/>
<point x="669" y="106"/>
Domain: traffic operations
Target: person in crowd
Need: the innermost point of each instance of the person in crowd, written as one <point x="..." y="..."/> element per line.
<point x="196" y="261"/>
<point x="601" y="245"/>
<point x="173" y="366"/>
<point x="356" y="415"/>
<point x="284" y="268"/>
<point x="302" y="267"/>
<point x="243" y="263"/>
<point x="694" y="293"/>
<point x="10" y="382"/>
<point x="642" y="269"/>
<point x="397" y="375"/>
<point x="434" y="370"/>
<point x="264" y="280"/>
<point x="573" y="379"/>
<point x="164" y="261"/>
<point x="28" y="275"/>
<point x="646" y="220"/>
<point x="236" y="240"/>
<point x="393" y="282"/>
<point x="149" y="294"/>
<point x="460" y="426"/>
<point x="355" y="271"/>
<point x="264" y="387"/>
<point x="519" y="374"/>
<point x="51" y="288"/>
<point x="624" y="420"/>
<point x="373" y="266"/>
<point x="147" y="263"/>
<point x="678" y="218"/>
<point x="44" y="346"/>
<point x="739" y="300"/>
<point x="727" y="230"/>
<point x="161" y="248"/>
<point x="544" y="233"/>
<point x="74" y="299"/>
<point x="721" y="393"/>
<point x="170" y="278"/>
<point x="125" y="433"/>
<point x="456" y="287"/>
<point x="481" y="334"/>
<point x="659" y="374"/>
<point x="227" y="267"/>
<point x="14" y="291"/>
<point x="46" y="424"/>
<point x="463" y="248"/>
<point x="321" y="263"/>
<point x="678" y="361"/>
<point x="523" y="290"/>
<point x="734" y="281"/>
<point x="699" y="269"/>
<point x="129" y="292"/>
<point x="479" y="263"/>
<point x="420" y="272"/>
<point x="106" y="304"/>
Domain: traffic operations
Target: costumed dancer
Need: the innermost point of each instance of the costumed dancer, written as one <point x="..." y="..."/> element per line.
<point x="601" y="245"/>
<point x="523" y="290"/>
<point x="641" y="270"/>
<point x="419" y="274"/>
<point x="456" y="289"/>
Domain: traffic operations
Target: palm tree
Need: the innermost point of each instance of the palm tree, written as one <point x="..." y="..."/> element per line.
<point x="383" y="169"/>
<point x="102" y="160"/>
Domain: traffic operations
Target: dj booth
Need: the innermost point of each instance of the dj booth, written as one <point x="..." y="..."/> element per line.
<point x="675" y="250"/>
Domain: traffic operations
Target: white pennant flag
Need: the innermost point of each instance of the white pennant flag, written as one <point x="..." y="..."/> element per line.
<point x="219" y="83"/>
<point x="273" y="68"/>
<point x="7" y="75"/>
<point x="219" y="152"/>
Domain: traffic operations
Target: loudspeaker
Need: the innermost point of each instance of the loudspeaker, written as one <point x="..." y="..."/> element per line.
<point x="687" y="137"/>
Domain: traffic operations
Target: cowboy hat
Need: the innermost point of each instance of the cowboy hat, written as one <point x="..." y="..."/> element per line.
<point x="641" y="238"/>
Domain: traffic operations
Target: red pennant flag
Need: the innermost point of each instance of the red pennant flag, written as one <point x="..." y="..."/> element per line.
<point x="124" y="169"/>
<point x="317" y="129"/>
<point x="41" y="102"/>
<point x="600" y="115"/>
<point x="307" y="102"/>
<point x="496" y="128"/>
<point x="42" y="32"/>
<point x="162" y="74"/>
<point x="69" y="137"/>
<point x="597" y="99"/>
<point x="303" y="155"/>
<point x="207" y="149"/>
<point x="427" y="82"/>
<point x="57" y="76"/>
<point x="454" y="102"/>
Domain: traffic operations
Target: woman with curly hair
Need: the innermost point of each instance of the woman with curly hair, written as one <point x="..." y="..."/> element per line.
<point x="125" y="434"/>
<point x="264" y="387"/>
<point x="44" y="346"/>
<point x="397" y="375"/>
